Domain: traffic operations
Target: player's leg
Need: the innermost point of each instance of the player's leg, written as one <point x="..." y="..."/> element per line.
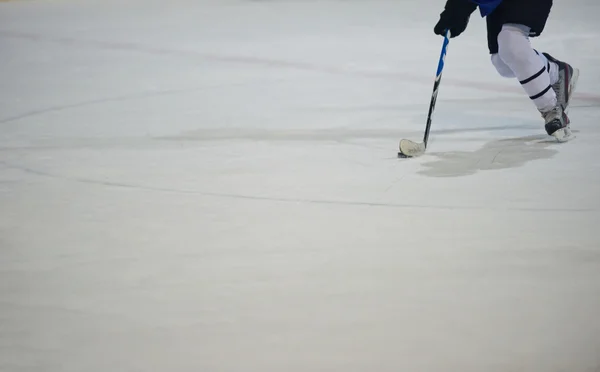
<point x="534" y="14"/>
<point x="509" y="29"/>
<point x="495" y="21"/>
<point x="514" y="49"/>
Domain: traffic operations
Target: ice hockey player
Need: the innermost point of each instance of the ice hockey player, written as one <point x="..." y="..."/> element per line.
<point x="548" y="82"/>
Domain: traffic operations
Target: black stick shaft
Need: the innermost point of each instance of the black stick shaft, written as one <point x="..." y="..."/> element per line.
<point x="436" y="86"/>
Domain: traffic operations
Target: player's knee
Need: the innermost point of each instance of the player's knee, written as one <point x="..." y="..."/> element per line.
<point x="512" y="43"/>
<point x="502" y="67"/>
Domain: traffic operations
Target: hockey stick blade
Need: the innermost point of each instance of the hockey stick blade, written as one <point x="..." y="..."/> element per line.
<point x="410" y="149"/>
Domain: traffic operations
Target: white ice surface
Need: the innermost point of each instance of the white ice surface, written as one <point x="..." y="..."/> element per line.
<point x="212" y="186"/>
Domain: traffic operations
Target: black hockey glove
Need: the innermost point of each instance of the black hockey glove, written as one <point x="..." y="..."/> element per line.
<point x="455" y="17"/>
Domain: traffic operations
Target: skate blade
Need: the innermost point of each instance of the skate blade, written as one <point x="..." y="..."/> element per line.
<point x="563" y="135"/>
<point x="409" y="149"/>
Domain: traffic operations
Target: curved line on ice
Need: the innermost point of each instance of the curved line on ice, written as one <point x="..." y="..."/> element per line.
<point x="356" y="203"/>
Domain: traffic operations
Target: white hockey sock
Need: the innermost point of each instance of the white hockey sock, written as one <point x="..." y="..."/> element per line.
<point x="516" y="52"/>
<point x="551" y="67"/>
<point x="506" y="72"/>
<point x="501" y="67"/>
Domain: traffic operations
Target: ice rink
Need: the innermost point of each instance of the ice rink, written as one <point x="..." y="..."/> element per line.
<point x="212" y="186"/>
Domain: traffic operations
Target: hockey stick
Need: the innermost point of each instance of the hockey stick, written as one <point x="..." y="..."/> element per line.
<point x="409" y="148"/>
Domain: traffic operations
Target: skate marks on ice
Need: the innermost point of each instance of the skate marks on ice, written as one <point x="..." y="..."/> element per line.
<point x="495" y="155"/>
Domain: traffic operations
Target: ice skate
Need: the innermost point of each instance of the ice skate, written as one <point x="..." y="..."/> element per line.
<point x="557" y="124"/>
<point x="567" y="82"/>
